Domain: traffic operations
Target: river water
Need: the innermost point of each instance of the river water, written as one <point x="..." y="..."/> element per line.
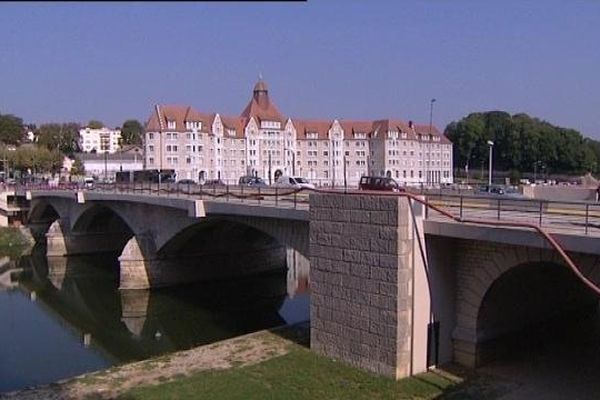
<point x="66" y="316"/>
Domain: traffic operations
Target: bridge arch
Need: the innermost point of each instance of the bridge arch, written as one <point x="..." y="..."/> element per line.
<point x="43" y="210"/>
<point x="108" y="228"/>
<point x="523" y="298"/>
<point x="213" y="235"/>
<point x="41" y="216"/>
<point x="504" y="289"/>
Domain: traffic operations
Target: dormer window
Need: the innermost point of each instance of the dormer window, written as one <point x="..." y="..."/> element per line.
<point x="393" y="135"/>
<point x="404" y="135"/>
<point x="312" y="135"/>
<point x="231" y="132"/>
<point x="270" y="125"/>
<point x="171" y="124"/>
<point x="360" y="135"/>
<point x="189" y="125"/>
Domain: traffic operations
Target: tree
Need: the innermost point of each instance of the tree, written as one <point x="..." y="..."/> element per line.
<point x="77" y="168"/>
<point x="62" y="137"/>
<point x="520" y="143"/>
<point x="34" y="158"/>
<point x="131" y="132"/>
<point x="11" y="129"/>
<point x="95" y="124"/>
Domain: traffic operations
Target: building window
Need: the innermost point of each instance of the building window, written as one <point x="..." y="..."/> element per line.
<point x="171" y="124"/>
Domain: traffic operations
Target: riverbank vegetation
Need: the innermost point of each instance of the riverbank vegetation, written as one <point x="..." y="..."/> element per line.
<point x="12" y="242"/>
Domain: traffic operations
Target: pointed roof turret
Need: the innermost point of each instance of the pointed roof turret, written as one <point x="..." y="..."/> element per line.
<point x="260" y="106"/>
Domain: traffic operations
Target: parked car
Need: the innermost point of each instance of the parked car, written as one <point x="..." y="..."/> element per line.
<point x="213" y="183"/>
<point x="251" y="181"/>
<point x="492" y="189"/>
<point x="183" y="182"/>
<point x="379" y="183"/>
<point x="293" y="182"/>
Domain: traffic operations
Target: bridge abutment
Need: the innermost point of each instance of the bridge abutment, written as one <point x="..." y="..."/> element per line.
<point x="366" y="276"/>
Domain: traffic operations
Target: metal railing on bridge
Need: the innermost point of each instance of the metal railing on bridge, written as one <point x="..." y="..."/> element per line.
<point x="569" y="217"/>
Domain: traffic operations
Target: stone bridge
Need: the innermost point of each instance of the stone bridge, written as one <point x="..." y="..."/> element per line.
<point x="160" y="240"/>
<point x="391" y="291"/>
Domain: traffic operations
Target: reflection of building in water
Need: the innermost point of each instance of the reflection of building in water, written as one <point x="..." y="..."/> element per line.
<point x="134" y="309"/>
<point x="298" y="268"/>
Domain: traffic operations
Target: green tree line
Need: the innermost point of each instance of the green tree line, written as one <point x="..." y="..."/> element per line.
<point x="521" y="143"/>
<point x="52" y="141"/>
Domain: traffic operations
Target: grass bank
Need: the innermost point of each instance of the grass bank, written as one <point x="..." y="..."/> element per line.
<point x="299" y="374"/>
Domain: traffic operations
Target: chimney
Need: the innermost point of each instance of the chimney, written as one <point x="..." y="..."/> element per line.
<point x="410" y="124"/>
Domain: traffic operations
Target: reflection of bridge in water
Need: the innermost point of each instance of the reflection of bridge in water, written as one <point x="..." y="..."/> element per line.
<point x="137" y="324"/>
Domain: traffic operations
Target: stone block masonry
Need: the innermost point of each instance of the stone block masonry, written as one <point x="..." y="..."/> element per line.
<point x="362" y="260"/>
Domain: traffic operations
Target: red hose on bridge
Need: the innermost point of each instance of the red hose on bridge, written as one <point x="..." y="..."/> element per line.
<point x="570" y="264"/>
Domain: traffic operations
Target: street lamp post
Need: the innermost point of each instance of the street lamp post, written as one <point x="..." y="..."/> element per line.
<point x="345" y="180"/>
<point x="269" y="167"/>
<point x="491" y="145"/>
<point x="293" y="159"/>
<point x="428" y="146"/>
<point x="105" y="165"/>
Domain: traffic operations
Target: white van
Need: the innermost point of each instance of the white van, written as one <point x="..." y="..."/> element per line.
<point x="88" y="182"/>
<point x="295" y="182"/>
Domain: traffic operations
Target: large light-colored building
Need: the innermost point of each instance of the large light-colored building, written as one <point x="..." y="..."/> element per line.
<point x="263" y="142"/>
<point x="101" y="140"/>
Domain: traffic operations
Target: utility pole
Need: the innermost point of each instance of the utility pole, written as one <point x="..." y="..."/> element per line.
<point x="491" y="144"/>
<point x="345" y="181"/>
<point x="269" y="166"/>
<point x="428" y="162"/>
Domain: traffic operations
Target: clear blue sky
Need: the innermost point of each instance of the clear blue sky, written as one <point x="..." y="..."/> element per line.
<point x="321" y="59"/>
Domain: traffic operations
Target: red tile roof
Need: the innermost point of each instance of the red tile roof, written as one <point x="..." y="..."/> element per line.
<point x="385" y="125"/>
<point x="180" y="114"/>
<point x="304" y="126"/>
<point x="351" y="127"/>
<point x="424" y="130"/>
<point x="236" y="123"/>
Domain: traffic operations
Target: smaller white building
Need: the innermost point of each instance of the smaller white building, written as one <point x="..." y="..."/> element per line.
<point x="100" y="141"/>
<point x="106" y="166"/>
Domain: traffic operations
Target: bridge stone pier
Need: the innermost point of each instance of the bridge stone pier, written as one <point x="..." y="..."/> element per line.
<point x="369" y="298"/>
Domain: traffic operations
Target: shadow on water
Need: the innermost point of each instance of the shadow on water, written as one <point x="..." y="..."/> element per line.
<point x="81" y="295"/>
